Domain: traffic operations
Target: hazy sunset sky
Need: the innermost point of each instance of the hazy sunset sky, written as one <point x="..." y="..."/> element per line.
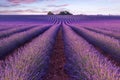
<point x="74" y="6"/>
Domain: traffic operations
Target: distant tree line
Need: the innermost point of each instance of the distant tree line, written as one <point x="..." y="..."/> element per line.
<point x="61" y="13"/>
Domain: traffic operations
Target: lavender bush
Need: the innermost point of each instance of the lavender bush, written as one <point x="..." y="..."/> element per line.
<point x="106" y="32"/>
<point x="14" y="30"/>
<point x="30" y="62"/>
<point x="108" y="44"/>
<point x="10" y="43"/>
<point x="84" y="62"/>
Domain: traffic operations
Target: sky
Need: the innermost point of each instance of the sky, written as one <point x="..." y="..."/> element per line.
<point x="37" y="7"/>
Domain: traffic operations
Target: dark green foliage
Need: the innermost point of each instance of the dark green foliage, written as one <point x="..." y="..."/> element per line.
<point x="50" y="13"/>
<point x="65" y="13"/>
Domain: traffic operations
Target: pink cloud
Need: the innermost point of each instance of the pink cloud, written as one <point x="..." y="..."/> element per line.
<point x="21" y="1"/>
<point x="26" y="1"/>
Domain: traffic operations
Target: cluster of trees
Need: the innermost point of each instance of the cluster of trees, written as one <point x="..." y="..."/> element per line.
<point x="61" y="13"/>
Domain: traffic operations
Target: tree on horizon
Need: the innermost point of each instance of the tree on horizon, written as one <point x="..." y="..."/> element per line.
<point x="65" y="13"/>
<point x="50" y="13"/>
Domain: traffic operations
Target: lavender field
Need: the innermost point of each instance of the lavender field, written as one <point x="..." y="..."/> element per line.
<point x="59" y="47"/>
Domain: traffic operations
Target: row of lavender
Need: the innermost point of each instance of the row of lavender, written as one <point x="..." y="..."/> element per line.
<point x="15" y="40"/>
<point x="110" y="33"/>
<point x="30" y="62"/>
<point x="84" y="62"/>
<point x="109" y="45"/>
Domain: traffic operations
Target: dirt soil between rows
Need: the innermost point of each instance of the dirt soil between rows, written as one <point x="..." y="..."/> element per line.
<point x="56" y="69"/>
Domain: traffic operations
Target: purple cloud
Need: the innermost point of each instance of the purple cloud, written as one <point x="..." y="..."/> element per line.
<point x="11" y="3"/>
<point x="7" y="5"/>
<point x="19" y="11"/>
<point x="30" y="11"/>
<point x="63" y="5"/>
